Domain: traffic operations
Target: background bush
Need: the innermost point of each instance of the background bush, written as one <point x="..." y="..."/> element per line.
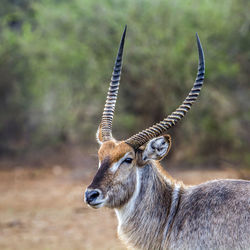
<point x="56" y="59"/>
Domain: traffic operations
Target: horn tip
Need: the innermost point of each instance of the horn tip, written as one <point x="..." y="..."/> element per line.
<point x="200" y="49"/>
<point x="198" y="40"/>
<point x="123" y="37"/>
<point x="124" y="32"/>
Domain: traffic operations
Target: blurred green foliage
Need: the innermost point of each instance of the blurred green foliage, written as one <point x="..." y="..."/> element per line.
<point x="56" y="59"/>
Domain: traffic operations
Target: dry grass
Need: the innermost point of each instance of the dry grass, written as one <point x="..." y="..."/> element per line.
<point x="44" y="209"/>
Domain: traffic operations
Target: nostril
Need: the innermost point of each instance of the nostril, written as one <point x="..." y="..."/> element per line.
<point x="92" y="195"/>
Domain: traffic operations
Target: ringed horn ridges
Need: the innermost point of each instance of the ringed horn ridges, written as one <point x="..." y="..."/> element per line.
<point x="160" y="128"/>
<point x="109" y="108"/>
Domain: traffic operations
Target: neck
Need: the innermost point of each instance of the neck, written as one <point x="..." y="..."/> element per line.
<point x="145" y="221"/>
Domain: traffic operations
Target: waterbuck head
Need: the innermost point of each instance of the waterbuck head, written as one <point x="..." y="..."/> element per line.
<point x="115" y="180"/>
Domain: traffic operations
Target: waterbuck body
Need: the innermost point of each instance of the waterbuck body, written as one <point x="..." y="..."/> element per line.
<point x="163" y="214"/>
<point x="154" y="210"/>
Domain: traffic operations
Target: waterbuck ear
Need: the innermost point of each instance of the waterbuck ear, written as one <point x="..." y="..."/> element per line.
<point x="156" y="149"/>
<point x="99" y="135"/>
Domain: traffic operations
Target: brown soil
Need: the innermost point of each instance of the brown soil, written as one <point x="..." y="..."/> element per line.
<point x="43" y="209"/>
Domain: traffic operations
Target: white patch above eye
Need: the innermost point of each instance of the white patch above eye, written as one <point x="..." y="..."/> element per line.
<point x="116" y="165"/>
<point x="99" y="165"/>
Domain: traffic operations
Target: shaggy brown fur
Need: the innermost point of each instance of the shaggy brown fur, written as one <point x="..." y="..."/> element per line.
<point x="155" y="211"/>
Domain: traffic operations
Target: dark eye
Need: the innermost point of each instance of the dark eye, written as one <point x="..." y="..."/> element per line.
<point x="128" y="160"/>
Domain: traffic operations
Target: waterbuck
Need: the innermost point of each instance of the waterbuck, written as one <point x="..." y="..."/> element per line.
<point x="154" y="210"/>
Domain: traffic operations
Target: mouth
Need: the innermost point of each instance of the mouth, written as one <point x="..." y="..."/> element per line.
<point x="97" y="204"/>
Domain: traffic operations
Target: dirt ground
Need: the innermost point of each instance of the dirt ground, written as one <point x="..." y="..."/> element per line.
<point x="43" y="208"/>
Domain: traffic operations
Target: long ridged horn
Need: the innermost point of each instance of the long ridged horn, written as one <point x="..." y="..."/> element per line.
<point x="109" y="108"/>
<point x="160" y="128"/>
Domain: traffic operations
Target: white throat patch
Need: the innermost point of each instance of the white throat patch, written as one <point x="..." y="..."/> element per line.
<point x="124" y="212"/>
